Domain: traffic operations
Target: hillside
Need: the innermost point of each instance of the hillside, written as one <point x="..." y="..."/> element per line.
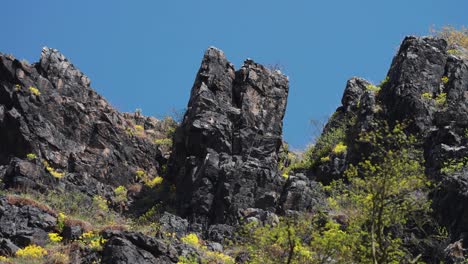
<point x="386" y="182"/>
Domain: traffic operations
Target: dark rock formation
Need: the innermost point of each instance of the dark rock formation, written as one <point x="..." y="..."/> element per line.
<point x="48" y="109"/>
<point x="226" y="149"/>
<point x="427" y="88"/>
<point x="129" y="247"/>
<point x="23" y="223"/>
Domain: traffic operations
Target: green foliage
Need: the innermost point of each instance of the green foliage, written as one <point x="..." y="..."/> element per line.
<point x="441" y="99"/>
<point x="454" y="165"/>
<point x="147" y="223"/>
<point x="31" y="156"/>
<point x="384" y="81"/>
<point x="373" y="88"/>
<point x="427" y="96"/>
<point x="120" y="194"/>
<point x="382" y="192"/>
<point x="326" y="142"/>
<point x="190" y="259"/>
<point x="339" y="148"/>
<point x="191" y="239"/>
<point x="92" y="240"/>
<point x="444" y="79"/>
<point x="61" y="221"/>
<point x="100" y="203"/>
<point x="163" y="142"/>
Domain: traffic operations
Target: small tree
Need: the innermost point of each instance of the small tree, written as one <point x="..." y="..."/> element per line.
<point x="385" y="188"/>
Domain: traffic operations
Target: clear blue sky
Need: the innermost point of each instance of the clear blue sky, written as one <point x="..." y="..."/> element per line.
<point x="145" y="54"/>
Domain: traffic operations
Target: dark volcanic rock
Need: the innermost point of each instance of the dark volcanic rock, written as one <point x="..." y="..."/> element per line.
<point x="71" y="127"/>
<point x="226" y="149"/>
<point x="417" y="68"/>
<point x="23" y="223"/>
<point x="131" y="247"/>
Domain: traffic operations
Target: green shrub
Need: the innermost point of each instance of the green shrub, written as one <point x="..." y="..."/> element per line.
<point x="441" y="99"/>
<point x="427" y="96"/>
<point x="373" y="88"/>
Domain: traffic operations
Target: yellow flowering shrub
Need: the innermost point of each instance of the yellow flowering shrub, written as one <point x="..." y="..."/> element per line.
<point x="441" y="99"/>
<point x="100" y="203"/>
<point x="61" y="221"/>
<point x="55" y="237"/>
<point x="154" y="182"/>
<point x="139" y="128"/>
<point x="191" y="239"/>
<point x="339" y="148"/>
<point x="52" y="171"/>
<point x="217" y="257"/>
<point x="34" y="90"/>
<point x="93" y="240"/>
<point x="31" y="252"/>
<point x="444" y="79"/>
<point x="163" y="141"/>
<point x="120" y="194"/>
<point x="427" y="96"/>
<point x="31" y="156"/>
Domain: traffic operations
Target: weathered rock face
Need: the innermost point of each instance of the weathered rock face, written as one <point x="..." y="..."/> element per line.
<point x="22" y="223"/>
<point x="417" y="69"/>
<point x="67" y="124"/>
<point x="226" y="149"/>
<point x="427" y="88"/>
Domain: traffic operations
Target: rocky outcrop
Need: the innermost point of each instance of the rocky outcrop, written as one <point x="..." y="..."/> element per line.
<point x="23" y="222"/>
<point x="427" y="88"/>
<point x="225" y="154"/>
<point x="49" y="110"/>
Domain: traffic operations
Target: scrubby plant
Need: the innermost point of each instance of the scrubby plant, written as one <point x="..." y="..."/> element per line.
<point x="163" y="142"/>
<point x="52" y="171"/>
<point x="61" y="217"/>
<point x="190" y="259"/>
<point x="120" y="194"/>
<point x="441" y="99"/>
<point x="139" y="128"/>
<point x="384" y="81"/>
<point x="100" y="203"/>
<point x="444" y="79"/>
<point x="156" y="181"/>
<point x="55" y="237"/>
<point x="381" y="194"/>
<point x="31" y="252"/>
<point x="34" y="90"/>
<point x="339" y="148"/>
<point x="427" y="96"/>
<point x="92" y="240"/>
<point x="31" y="156"/>
<point x="453" y="36"/>
<point x="373" y="88"/>
<point x="191" y="239"/>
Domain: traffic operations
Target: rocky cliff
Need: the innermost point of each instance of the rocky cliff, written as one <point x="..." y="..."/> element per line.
<point x="59" y="138"/>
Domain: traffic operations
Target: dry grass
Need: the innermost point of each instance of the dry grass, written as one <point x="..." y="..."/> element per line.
<point x="23" y="201"/>
<point x="115" y="227"/>
<point x="77" y="222"/>
<point x="454" y="37"/>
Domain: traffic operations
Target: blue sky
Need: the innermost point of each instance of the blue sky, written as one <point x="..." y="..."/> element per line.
<point x="145" y="54"/>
